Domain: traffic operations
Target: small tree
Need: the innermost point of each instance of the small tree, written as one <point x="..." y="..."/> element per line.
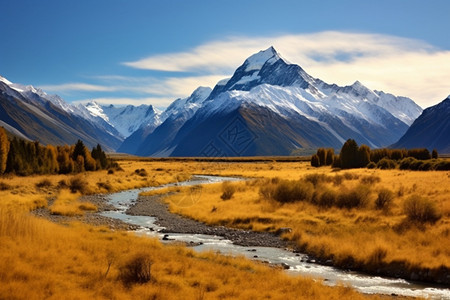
<point x="315" y="161"/>
<point x="349" y="154"/>
<point x="363" y="156"/>
<point x="330" y="157"/>
<point x="434" y="154"/>
<point x="322" y="154"/>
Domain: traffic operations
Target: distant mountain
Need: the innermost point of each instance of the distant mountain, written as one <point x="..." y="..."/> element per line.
<point x="430" y="130"/>
<point x="126" y="119"/>
<point x="272" y="107"/>
<point x="173" y="118"/>
<point x="30" y="113"/>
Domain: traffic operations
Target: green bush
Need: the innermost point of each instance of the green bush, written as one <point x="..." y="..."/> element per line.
<point x="422" y="210"/>
<point x="384" y="199"/>
<point x="358" y="197"/>
<point x="291" y="191"/>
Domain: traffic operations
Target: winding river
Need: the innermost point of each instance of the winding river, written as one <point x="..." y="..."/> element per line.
<point x="299" y="264"/>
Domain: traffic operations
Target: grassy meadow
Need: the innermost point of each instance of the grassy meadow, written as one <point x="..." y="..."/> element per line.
<point x="45" y="260"/>
<point x="399" y="224"/>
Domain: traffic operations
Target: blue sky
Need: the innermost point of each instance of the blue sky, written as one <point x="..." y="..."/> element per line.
<point x="134" y="52"/>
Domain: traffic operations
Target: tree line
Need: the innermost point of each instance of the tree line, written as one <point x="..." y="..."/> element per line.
<point x="21" y="157"/>
<point x="354" y="156"/>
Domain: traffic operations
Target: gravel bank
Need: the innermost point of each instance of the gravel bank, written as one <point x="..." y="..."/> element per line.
<point x="153" y="206"/>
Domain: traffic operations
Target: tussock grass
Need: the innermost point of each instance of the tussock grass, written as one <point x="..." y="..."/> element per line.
<point x="346" y="222"/>
<point x="43" y="260"/>
<point x="67" y="204"/>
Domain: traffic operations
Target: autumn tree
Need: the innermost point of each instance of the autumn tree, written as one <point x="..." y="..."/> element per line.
<point x="4" y="150"/>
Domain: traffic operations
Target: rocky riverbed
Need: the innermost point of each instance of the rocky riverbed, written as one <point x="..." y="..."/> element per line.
<point x="153" y="206"/>
<point x="92" y="218"/>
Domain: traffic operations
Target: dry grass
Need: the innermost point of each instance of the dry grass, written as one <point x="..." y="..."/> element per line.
<point x="363" y="233"/>
<point x="42" y="260"/>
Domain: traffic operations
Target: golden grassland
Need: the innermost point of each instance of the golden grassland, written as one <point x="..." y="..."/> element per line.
<point x="44" y="260"/>
<point x="361" y="236"/>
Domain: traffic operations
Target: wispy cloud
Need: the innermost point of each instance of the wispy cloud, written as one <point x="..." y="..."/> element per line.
<point x="398" y="65"/>
<point x="68" y="87"/>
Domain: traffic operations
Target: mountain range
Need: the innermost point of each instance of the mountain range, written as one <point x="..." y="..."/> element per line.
<point x="430" y="130"/>
<point x="31" y="114"/>
<point x="272" y="107"/>
<point x="268" y="107"/>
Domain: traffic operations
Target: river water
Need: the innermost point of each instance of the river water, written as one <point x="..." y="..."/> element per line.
<point x="299" y="264"/>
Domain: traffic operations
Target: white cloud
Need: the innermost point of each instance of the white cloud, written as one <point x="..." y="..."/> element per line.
<point x="67" y="87"/>
<point x="397" y="65"/>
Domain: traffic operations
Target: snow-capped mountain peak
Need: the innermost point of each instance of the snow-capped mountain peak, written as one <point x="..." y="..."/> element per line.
<point x="96" y="110"/>
<point x="257" y="61"/>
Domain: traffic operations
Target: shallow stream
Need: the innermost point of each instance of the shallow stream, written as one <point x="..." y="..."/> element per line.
<point x="299" y="264"/>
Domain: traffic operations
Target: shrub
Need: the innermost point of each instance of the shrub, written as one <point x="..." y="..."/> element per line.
<point x="136" y="270"/>
<point x="384" y="199"/>
<point x="78" y="184"/>
<point x="358" y="197"/>
<point x="327" y="198"/>
<point x="267" y="190"/>
<point x="141" y="172"/>
<point x="443" y="165"/>
<point x="228" y="190"/>
<point x="422" y="210"/>
<point x="405" y="164"/>
<point x="337" y="180"/>
<point x="315" y="178"/>
<point x="44" y="183"/>
<point x="420" y="153"/>
<point x="386" y="164"/>
<point x="105" y="185"/>
<point x="371" y="165"/>
<point x="4" y="186"/>
<point x="370" y="179"/>
<point x="291" y="191"/>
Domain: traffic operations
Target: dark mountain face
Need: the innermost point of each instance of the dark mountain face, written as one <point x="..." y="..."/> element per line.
<point x="38" y="119"/>
<point x="430" y="130"/>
